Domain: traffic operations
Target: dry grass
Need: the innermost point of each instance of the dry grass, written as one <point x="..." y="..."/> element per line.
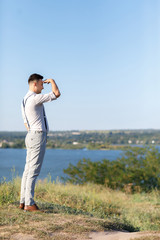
<point x="42" y="225"/>
<point x="72" y="211"/>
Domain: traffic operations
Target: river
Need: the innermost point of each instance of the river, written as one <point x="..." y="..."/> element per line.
<point x="55" y="161"/>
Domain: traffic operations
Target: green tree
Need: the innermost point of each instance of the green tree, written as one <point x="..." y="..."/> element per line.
<point x="138" y="167"/>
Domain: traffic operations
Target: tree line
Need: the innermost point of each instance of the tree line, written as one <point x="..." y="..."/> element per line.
<point x="86" y="139"/>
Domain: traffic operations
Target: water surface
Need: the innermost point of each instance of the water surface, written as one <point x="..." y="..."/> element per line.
<point x="55" y="160"/>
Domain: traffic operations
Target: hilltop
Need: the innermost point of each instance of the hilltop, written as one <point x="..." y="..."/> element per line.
<point x="79" y="212"/>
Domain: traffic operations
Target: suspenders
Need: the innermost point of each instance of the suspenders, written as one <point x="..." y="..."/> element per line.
<point x="24" y="103"/>
<point x="45" y="120"/>
<point x="44" y="115"/>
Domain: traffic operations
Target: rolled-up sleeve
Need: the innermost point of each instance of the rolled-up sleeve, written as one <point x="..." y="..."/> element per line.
<point x="42" y="98"/>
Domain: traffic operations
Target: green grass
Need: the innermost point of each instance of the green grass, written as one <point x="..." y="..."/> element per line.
<point x="140" y="211"/>
<point x="95" y="206"/>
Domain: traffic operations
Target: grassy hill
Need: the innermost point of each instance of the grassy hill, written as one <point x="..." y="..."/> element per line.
<point x="72" y="211"/>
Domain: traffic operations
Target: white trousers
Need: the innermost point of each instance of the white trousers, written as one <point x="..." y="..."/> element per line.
<point x="36" y="144"/>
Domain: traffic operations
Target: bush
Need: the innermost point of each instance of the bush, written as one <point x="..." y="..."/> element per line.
<point x="136" y="170"/>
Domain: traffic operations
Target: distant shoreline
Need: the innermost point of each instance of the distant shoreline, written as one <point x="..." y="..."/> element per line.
<point x="92" y="140"/>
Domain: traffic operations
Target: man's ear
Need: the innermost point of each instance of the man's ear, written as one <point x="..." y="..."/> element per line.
<point x="35" y="84"/>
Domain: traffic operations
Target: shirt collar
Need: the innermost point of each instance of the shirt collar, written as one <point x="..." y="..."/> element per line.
<point x="29" y="91"/>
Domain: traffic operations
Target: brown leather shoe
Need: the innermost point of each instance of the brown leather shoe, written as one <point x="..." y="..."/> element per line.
<point x="21" y="206"/>
<point x="31" y="208"/>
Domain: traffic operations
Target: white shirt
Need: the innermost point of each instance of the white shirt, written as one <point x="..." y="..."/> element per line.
<point x="33" y="110"/>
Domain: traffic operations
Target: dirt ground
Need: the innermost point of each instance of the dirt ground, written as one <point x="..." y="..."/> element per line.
<point x="18" y="225"/>
<point x="115" y="235"/>
<point x="118" y="235"/>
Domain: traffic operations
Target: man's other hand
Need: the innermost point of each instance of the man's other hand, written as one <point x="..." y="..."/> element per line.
<point x="48" y="80"/>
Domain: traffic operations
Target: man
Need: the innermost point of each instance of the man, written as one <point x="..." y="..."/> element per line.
<point x="36" y="123"/>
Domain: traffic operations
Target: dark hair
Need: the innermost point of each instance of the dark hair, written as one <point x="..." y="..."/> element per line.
<point x="34" y="77"/>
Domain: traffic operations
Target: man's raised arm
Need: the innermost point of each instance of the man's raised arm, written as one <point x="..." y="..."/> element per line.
<point x="55" y="88"/>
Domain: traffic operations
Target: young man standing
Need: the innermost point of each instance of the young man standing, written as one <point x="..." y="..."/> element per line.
<point x="37" y="126"/>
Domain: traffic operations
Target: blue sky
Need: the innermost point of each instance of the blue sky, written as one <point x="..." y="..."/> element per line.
<point x="103" y="54"/>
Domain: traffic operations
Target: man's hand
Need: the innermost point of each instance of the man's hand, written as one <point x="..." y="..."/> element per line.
<point x="55" y="89"/>
<point x="48" y="80"/>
